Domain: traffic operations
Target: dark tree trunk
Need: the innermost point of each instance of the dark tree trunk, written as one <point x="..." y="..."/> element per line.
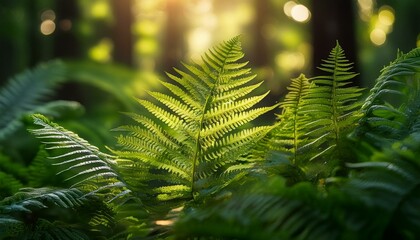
<point x="66" y="44"/>
<point x="333" y="20"/>
<point x="260" y="57"/>
<point x="123" y="42"/>
<point x="173" y="41"/>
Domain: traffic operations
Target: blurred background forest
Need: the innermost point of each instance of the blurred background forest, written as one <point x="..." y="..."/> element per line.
<point x="281" y="38"/>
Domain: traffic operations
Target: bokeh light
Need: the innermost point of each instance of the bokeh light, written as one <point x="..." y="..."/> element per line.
<point x="101" y="52"/>
<point x="386" y="15"/>
<point x="287" y="8"/>
<point x="48" y="15"/>
<point x="47" y="27"/>
<point x="198" y="41"/>
<point x="377" y="36"/>
<point x="289" y="61"/>
<point x="100" y="10"/>
<point x="418" y="41"/>
<point x="146" y="28"/>
<point x="300" y="13"/>
<point x="146" y="46"/>
<point x="365" y="9"/>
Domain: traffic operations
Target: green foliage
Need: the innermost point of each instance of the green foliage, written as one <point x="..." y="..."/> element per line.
<point x="83" y="164"/>
<point x="391" y="112"/>
<point x="379" y="202"/>
<point x="318" y="113"/>
<point x="193" y="136"/>
<point x="330" y="107"/>
<point x="34" y="86"/>
<point x="195" y="165"/>
<point x="8" y="185"/>
<point x="116" y="81"/>
<point x="21" y="216"/>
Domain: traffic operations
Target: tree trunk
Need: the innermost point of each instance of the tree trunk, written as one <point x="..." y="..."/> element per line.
<point x="333" y="21"/>
<point x="122" y="37"/>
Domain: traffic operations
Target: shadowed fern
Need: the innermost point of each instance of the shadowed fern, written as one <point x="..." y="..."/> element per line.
<point x="289" y="136"/>
<point x="392" y="109"/>
<point x="83" y="165"/>
<point x="25" y="92"/>
<point x="19" y="217"/>
<point x="317" y="116"/>
<point x="331" y="107"/>
<point x="379" y="202"/>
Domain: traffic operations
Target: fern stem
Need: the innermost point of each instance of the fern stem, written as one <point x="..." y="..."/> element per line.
<point x="205" y="108"/>
<point x="334" y="97"/>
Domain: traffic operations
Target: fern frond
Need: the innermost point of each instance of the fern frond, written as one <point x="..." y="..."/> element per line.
<point x="317" y="115"/>
<point x="25" y="92"/>
<point x="390" y="182"/>
<point x="288" y="135"/>
<point x="268" y="211"/>
<point x="82" y="164"/>
<point x="391" y="111"/>
<point x="50" y="213"/>
<point x="21" y="214"/>
<point x="198" y="129"/>
<point x="8" y="185"/>
<point x="330" y="111"/>
<point x="379" y="202"/>
<point x="332" y="104"/>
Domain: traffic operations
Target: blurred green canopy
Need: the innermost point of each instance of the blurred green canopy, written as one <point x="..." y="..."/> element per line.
<point x="281" y="38"/>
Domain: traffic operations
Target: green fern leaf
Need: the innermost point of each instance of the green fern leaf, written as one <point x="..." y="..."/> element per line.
<point x="18" y="214"/>
<point x="197" y="130"/>
<point x="25" y="92"/>
<point x="8" y="185"/>
<point x="331" y="110"/>
<point x="82" y="164"/>
<point x="288" y="136"/>
<point x="391" y="111"/>
<point x="317" y="116"/>
<point x="379" y="202"/>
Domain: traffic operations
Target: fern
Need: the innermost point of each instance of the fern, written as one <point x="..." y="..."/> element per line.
<point x="289" y="136"/>
<point x="8" y="185"/>
<point x="317" y="116"/>
<point x="43" y="172"/>
<point x="25" y="92"/>
<point x="19" y="217"/>
<point x="331" y="106"/>
<point x="195" y="131"/>
<point x="379" y="202"/>
<point x="83" y="164"/>
<point x="391" y="111"/>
